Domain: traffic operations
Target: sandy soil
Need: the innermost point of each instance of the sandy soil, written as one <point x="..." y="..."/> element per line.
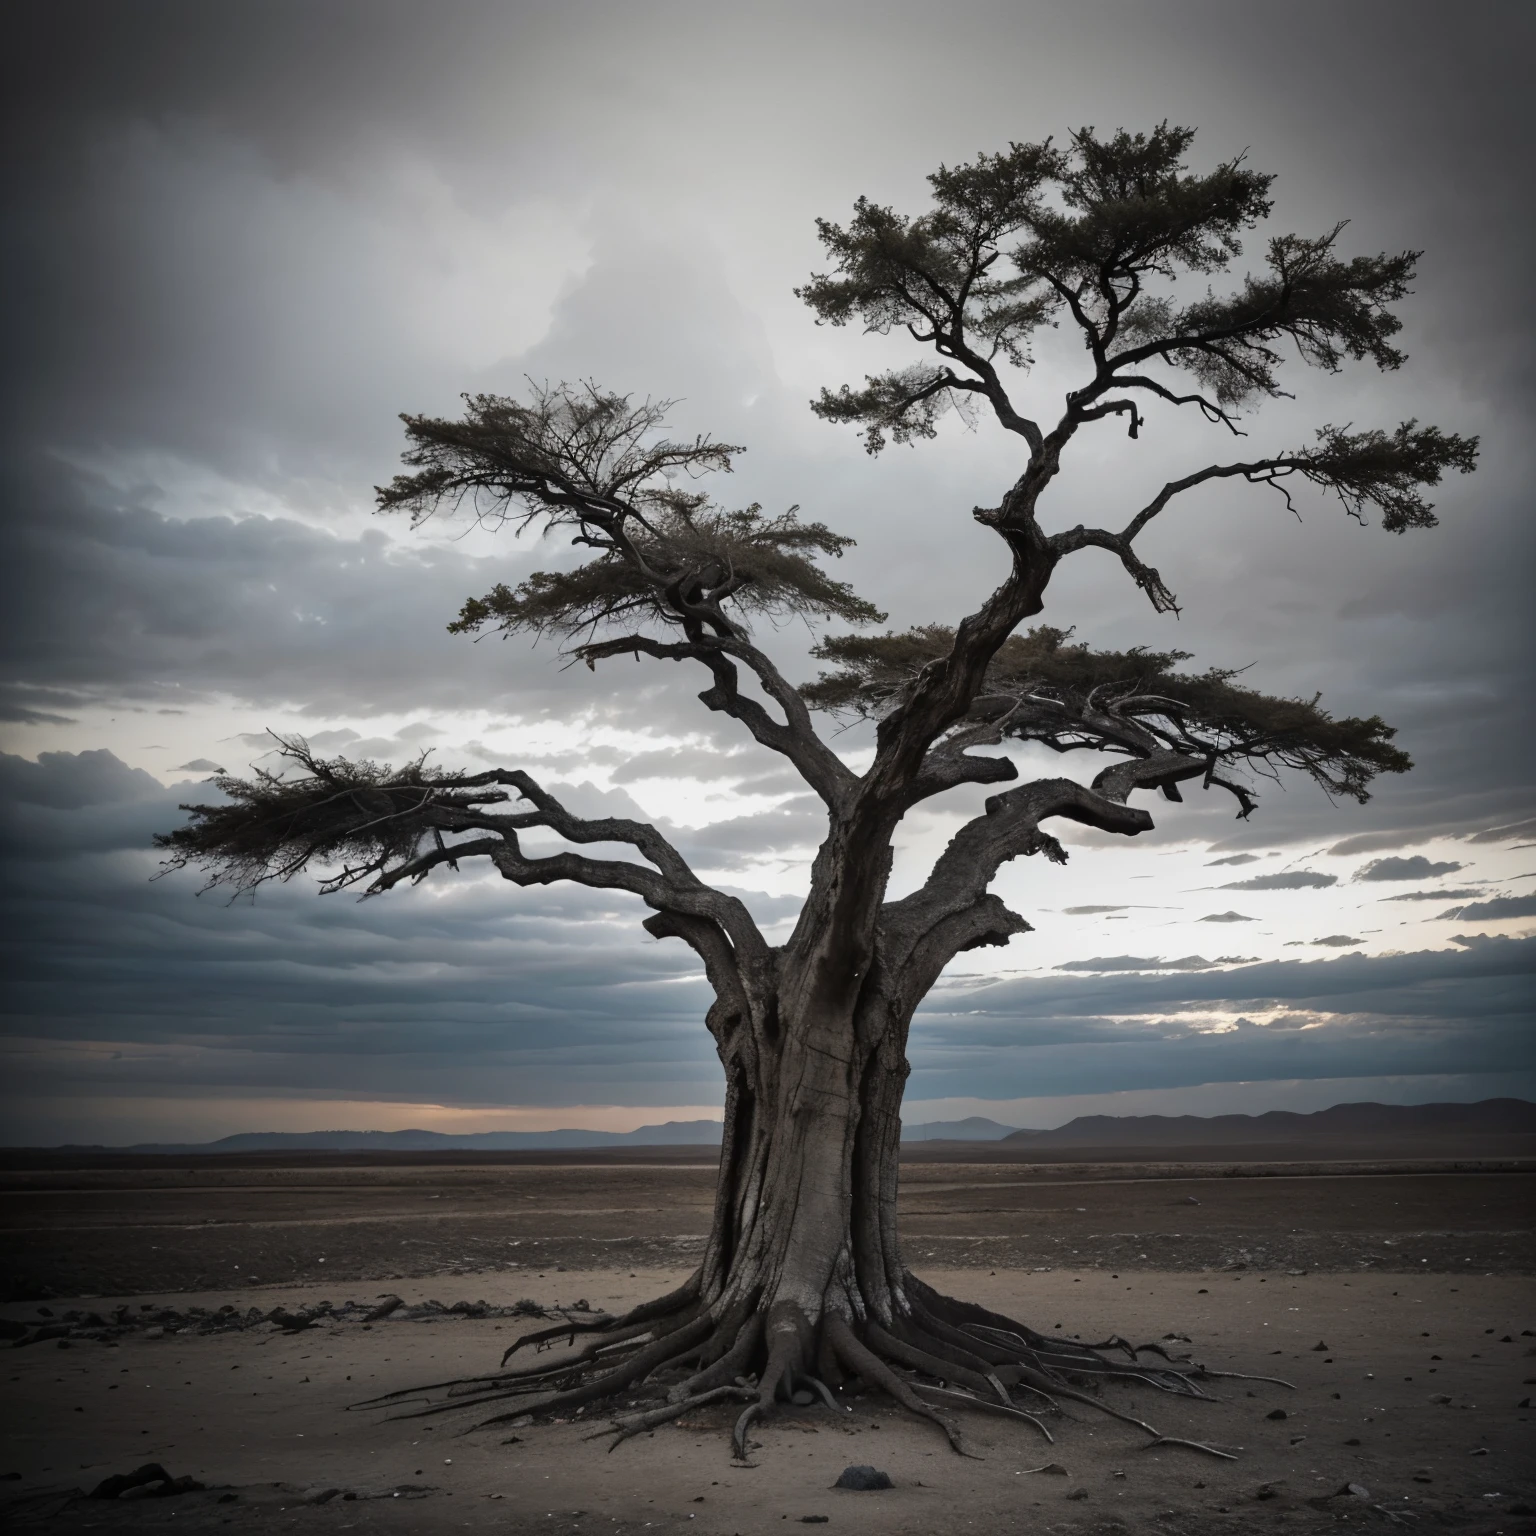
<point x="1416" y="1280"/>
<point x="1415" y="1400"/>
<point x="117" y="1230"/>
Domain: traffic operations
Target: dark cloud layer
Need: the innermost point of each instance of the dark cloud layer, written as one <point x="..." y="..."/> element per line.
<point x="1415" y="868"/>
<point x="469" y="991"/>
<point x="1288" y="880"/>
<point x="1499" y="907"/>
<point x="1429" y="1012"/>
<point x="239" y="239"/>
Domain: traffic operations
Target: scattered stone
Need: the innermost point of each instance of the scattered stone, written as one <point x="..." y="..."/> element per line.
<point x="813" y="1519"/>
<point x="149" y="1481"/>
<point x="863" y="1479"/>
<point x="1319" y="1348"/>
<point x="320" y="1495"/>
<point x="1277" y="1413"/>
<point x="1266" y="1491"/>
<point x="1482" y="1450"/>
<point x="387" y="1304"/>
<point x="154" y="1333"/>
<point x="1053" y="1467"/>
<point x="1078" y="1493"/>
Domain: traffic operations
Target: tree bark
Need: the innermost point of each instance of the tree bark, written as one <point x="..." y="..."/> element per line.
<point x="805" y="1206"/>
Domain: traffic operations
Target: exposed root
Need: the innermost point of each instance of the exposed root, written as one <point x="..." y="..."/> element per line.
<point x="1273" y="1381"/>
<point x="548" y="1336"/>
<point x="1193" y="1445"/>
<point x="855" y="1357"/>
<point x="817" y="1385"/>
<point x="981" y="1405"/>
<point x="638" y="1423"/>
<point x="787" y="1329"/>
<point x="931" y="1352"/>
<point x="729" y="1366"/>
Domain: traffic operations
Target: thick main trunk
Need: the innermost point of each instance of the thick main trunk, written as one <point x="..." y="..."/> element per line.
<point x="805" y="1206"/>
<point x="802" y="1285"/>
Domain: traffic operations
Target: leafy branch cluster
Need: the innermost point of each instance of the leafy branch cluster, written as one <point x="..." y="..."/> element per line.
<point x="357" y="818"/>
<point x="1092" y="235"/>
<point x="1134" y="704"/>
<point x="589" y="461"/>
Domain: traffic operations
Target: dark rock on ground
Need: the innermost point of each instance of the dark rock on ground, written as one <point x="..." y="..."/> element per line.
<point x="863" y="1479"/>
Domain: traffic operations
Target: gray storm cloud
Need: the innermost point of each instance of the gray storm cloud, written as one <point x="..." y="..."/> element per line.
<point x="230" y="262"/>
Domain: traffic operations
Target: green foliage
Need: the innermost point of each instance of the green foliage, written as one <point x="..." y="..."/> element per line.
<point x="1040" y="687"/>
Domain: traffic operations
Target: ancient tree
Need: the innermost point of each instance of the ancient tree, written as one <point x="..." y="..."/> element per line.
<point x="803" y="1284"/>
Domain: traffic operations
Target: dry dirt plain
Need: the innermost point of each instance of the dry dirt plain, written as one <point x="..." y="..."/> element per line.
<point x="1416" y="1277"/>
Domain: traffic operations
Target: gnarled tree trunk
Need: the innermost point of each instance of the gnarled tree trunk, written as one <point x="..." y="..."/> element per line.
<point x="802" y="1286"/>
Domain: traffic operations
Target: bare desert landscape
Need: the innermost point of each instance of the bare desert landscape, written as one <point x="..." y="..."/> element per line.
<point x="207" y="1315"/>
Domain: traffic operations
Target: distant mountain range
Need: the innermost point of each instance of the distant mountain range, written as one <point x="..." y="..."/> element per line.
<point x="671" y="1133"/>
<point x="1344" y="1122"/>
<point x="976" y="1128"/>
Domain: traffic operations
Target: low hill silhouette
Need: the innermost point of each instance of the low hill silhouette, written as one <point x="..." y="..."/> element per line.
<point x="1280" y="1127"/>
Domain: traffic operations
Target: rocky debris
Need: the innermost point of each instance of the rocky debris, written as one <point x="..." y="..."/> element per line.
<point x="863" y="1479"/>
<point x="1053" y="1467"/>
<point x="154" y="1322"/>
<point x="151" y="1481"/>
<point x="291" y="1322"/>
<point x="326" y="1493"/>
<point x="1277" y="1413"/>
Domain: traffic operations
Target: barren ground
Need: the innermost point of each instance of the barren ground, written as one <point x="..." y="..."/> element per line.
<point x="1418" y="1283"/>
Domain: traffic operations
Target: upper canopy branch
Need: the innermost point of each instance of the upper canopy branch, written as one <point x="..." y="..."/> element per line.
<point x="1367" y="469"/>
<point x="795" y="737"/>
<point x="594" y="463"/>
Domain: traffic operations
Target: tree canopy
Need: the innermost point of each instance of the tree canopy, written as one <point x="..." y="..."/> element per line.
<point x="802" y="1277"/>
<point x="1093" y="234"/>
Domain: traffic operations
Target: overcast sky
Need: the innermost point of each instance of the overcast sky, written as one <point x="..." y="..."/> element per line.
<point x="239" y="239"/>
